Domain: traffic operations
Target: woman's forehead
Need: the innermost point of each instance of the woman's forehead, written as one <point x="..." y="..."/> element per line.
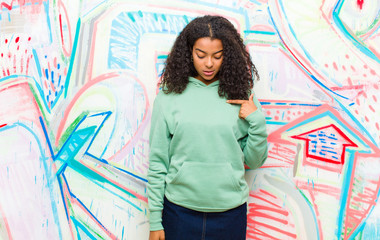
<point x="208" y="44"/>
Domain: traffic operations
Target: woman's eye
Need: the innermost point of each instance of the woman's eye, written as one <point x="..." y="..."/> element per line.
<point x="200" y="56"/>
<point x="219" y="57"/>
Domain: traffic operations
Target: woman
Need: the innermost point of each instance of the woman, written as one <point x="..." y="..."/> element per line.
<point x="205" y="125"/>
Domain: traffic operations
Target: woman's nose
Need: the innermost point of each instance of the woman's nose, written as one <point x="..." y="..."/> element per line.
<point x="209" y="62"/>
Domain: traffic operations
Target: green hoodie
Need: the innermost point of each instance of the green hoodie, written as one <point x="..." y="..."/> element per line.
<point x="198" y="147"/>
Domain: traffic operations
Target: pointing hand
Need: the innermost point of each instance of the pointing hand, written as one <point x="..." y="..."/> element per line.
<point x="247" y="106"/>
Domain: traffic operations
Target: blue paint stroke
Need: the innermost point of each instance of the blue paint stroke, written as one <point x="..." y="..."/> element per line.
<point x="93" y="180"/>
<point x="46" y="6"/>
<point x="344" y="192"/>
<point x="106" y="114"/>
<point x="354" y="40"/>
<point x="49" y="176"/>
<point x="296" y="62"/>
<point x="35" y="56"/>
<point x="47" y="137"/>
<point x="360" y="126"/>
<point x="332" y="116"/>
<point x="60" y="177"/>
<point x="80" y="227"/>
<point x="39" y="89"/>
<point x="72" y="58"/>
<point x="131" y="174"/>
<point x="120" y="169"/>
<point x="72" y="146"/>
<point x="84" y="206"/>
<point x="127" y="29"/>
<point x="259" y="32"/>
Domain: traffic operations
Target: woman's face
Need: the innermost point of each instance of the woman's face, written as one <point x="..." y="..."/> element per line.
<point x="207" y="58"/>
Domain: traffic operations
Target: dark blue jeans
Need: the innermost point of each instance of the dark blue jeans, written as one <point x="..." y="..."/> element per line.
<point x="185" y="224"/>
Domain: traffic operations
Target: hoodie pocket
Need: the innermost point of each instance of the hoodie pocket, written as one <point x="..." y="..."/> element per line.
<point x="207" y="185"/>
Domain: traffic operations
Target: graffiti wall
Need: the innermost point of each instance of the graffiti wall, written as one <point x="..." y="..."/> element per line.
<point x="77" y="84"/>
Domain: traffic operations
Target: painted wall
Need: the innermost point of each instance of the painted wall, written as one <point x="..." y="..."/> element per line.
<point x="77" y="83"/>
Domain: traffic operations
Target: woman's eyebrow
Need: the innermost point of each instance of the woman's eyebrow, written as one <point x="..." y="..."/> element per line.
<point x="205" y="52"/>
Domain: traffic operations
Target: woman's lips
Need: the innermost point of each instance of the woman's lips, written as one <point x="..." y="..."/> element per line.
<point x="208" y="73"/>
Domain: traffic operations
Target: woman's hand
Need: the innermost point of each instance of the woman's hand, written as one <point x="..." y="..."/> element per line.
<point x="247" y="106"/>
<point x="157" y="235"/>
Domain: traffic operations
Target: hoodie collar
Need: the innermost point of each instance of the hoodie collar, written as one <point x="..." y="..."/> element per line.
<point x="199" y="83"/>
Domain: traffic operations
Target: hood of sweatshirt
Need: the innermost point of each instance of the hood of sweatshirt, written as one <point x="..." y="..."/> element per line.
<point x="199" y="83"/>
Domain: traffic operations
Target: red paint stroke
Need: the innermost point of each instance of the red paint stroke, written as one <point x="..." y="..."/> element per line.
<point x="3" y="125"/>
<point x="329" y="19"/>
<point x="63" y="11"/>
<point x="374" y="50"/>
<point x="264" y="28"/>
<point x="259" y="214"/>
<point x="260" y="233"/>
<point x="22" y="64"/>
<point x="313" y="190"/>
<point x="305" y="69"/>
<point x="292" y="235"/>
<point x="20" y="3"/>
<point x="367" y="198"/>
<point x="5" y="221"/>
<point x="281" y="153"/>
<point x="312" y="195"/>
<point x="320" y="188"/>
<point x="301" y="60"/>
<point x="52" y="87"/>
<point x="276" y="136"/>
<point x="267" y="193"/>
<point x="134" y="194"/>
<point x="346" y="143"/>
<point x="27" y="64"/>
<point x="45" y="84"/>
<point x="89" y="214"/>
<point x="266" y="208"/>
<point x="76" y="97"/>
<point x="66" y="199"/>
<point x="356" y="216"/>
<point x="7" y="6"/>
<point x="335" y="66"/>
<point x="360" y="3"/>
<point x="264" y="200"/>
<point x="363" y="93"/>
<point x="119" y="155"/>
<point x="22" y="103"/>
<point x="14" y="64"/>
<point x="60" y="28"/>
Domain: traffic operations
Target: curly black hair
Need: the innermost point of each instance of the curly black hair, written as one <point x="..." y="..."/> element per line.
<point x="237" y="71"/>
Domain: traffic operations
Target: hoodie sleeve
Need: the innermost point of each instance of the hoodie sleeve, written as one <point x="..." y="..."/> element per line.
<point x="255" y="144"/>
<point x="159" y="141"/>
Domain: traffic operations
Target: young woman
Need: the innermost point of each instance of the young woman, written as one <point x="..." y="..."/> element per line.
<point x="205" y="125"/>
